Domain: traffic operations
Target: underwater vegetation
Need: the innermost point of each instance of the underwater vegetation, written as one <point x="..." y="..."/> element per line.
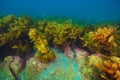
<point x="108" y="66"/>
<point x="102" y="40"/>
<point x="34" y="46"/>
<point x="44" y="54"/>
<point x="13" y="35"/>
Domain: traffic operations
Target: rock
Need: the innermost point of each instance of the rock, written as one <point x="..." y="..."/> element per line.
<point x="15" y="62"/>
<point x="84" y="67"/>
<point x="10" y="68"/>
<point x="33" y="68"/>
<point x="5" y="73"/>
<point x="62" y="69"/>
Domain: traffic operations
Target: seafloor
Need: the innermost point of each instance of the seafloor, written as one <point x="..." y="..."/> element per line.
<point x="58" y="49"/>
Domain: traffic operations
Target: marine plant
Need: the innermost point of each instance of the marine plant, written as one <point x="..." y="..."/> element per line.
<point x="108" y="67"/>
<point x="13" y="35"/>
<point x="63" y="35"/>
<point x="5" y="22"/>
<point x="41" y="25"/>
<point x="44" y="54"/>
<point x="106" y="37"/>
<point x="102" y="40"/>
<point x="87" y="41"/>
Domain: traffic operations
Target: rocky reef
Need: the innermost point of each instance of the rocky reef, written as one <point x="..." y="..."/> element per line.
<point x="42" y="49"/>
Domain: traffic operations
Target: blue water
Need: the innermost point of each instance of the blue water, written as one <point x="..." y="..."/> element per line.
<point x="97" y="10"/>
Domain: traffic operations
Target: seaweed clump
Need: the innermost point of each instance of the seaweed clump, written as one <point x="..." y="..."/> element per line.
<point x="13" y="35"/>
<point x="21" y="36"/>
<point x="64" y="36"/>
<point x="108" y="67"/>
<point x="44" y="54"/>
<point x="103" y="40"/>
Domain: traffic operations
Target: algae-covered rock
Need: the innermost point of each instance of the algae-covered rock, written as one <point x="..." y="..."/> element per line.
<point x="82" y="62"/>
<point x="15" y="62"/>
<point x="33" y="68"/>
<point x="5" y="73"/>
<point x="62" y="69"/>
<point x="10" y="68"/>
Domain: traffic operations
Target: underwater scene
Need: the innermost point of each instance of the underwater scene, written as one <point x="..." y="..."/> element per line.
<point x="59" y="39"/>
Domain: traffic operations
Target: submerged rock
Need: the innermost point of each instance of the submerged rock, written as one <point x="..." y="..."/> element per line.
<point x="62" y="69"/>
<point x="33" y="68"/>
<point x="15" y="62"/>
<point x="5" y="73"/>
<point x="10" y="68"/>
